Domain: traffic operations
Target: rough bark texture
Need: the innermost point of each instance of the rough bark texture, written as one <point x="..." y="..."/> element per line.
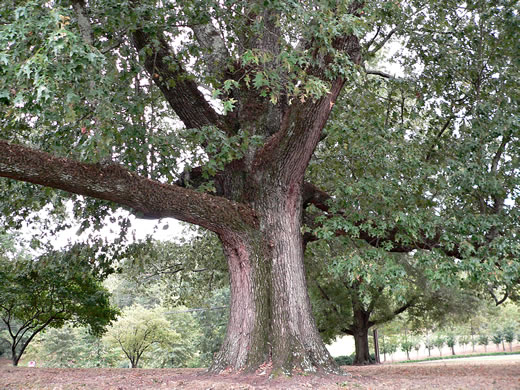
<point x="362" y="348"/>
<point x="257" y="210"/>
<point x="271" y="326"/>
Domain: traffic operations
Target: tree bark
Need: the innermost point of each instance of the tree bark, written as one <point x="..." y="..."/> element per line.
<point x="257" y="210"/>
<point x="15" y="358"/>
<point x="362" y="348"/>
<point x="271" y="325"/>
<point x="360" y="331"/>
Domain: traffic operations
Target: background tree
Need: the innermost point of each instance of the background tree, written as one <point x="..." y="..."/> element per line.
<point x="509" y="335"/>
<point x="212" y="322"/>
<point x="483" y="339"/>
<point x="417" y="345"/>
<point x="439" y="341"/>
<point x="97" y="102"/>
<point x="464" y="340"/>
<point x="392" y="347"/>
<point x="406" y="345"/>
<point x="50" y="291"/>
<point x="70" y="347"/>
<point x="497" y="338"/>
<point x="451" y="341"/>
<point x="138" y="329"/>
<point x="360" y="287"/>
<point x="429" y="345"/>
<point x="180" y="351"/>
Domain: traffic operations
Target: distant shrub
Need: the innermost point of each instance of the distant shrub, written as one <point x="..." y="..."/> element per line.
<point x="483" y="339"/>
<point x="344" y="360"/>
<point x="348" y="360"/>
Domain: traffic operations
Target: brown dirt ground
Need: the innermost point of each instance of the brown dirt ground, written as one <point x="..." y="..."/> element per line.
<point x="503" y="375"/>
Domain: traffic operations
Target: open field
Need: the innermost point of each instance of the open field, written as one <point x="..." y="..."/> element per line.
<point x="503" y="374"/>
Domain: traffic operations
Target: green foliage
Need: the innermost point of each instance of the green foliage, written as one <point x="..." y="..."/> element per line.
<point x="406" y="345"/>
<point x="178" y="273"/>
<point x="483" y="339"/>
<point x="451" y="340"/>
<point x="212" y="323"/>
<point x="509" y="334"/>
<point x="439" y="341"/>
<point x="181" y="352"/>
<point x="414" y="156"/>
<point x="497" y="337"/>
<point x="50" y="291"/>
<point x="138" y="329"/>
<point x="348" y="360"/>
<point x="70" y="347"/>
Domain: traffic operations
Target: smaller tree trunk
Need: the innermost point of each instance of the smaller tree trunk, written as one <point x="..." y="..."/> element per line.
<point x="362" y="349"/>
<point x="376" y="346"/>
<point x="360" y="329"/>
<point x="453" y="350"/>
<point x="14" y="356"/>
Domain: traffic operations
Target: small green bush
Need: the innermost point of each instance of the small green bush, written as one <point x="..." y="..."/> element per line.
<point x="348" y="360"/>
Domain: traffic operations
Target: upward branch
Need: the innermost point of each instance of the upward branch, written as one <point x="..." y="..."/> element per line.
<point x="217" y="54"/>
<point x="83" y="21"/>
<point x="117" y="184"/>
<point x="176" y="84"/>
<point x="303" y="122"/>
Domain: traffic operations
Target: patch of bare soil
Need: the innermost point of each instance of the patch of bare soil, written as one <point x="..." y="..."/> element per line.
<point x="406" y="376"/>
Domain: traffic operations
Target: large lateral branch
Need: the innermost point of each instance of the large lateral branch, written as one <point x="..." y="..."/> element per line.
<point x="115" y="183"/>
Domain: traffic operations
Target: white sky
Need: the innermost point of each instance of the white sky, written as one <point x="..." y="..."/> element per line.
<point x="166" y="229"/>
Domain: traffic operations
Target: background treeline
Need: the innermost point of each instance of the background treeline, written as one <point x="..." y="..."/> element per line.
<point x="172" y="302"/>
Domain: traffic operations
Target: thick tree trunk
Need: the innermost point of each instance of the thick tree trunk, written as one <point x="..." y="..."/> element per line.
<point x="362" y="347"/>
<point x="271" y="327"/>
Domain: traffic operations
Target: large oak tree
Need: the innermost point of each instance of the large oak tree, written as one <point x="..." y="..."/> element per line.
<point x="112" y="101"/>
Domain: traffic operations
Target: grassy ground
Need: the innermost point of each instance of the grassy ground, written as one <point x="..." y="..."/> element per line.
<point x="449" y="357"/>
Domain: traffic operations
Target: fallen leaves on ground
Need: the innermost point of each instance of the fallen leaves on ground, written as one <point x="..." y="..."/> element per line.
<point x="505" y="375"/>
